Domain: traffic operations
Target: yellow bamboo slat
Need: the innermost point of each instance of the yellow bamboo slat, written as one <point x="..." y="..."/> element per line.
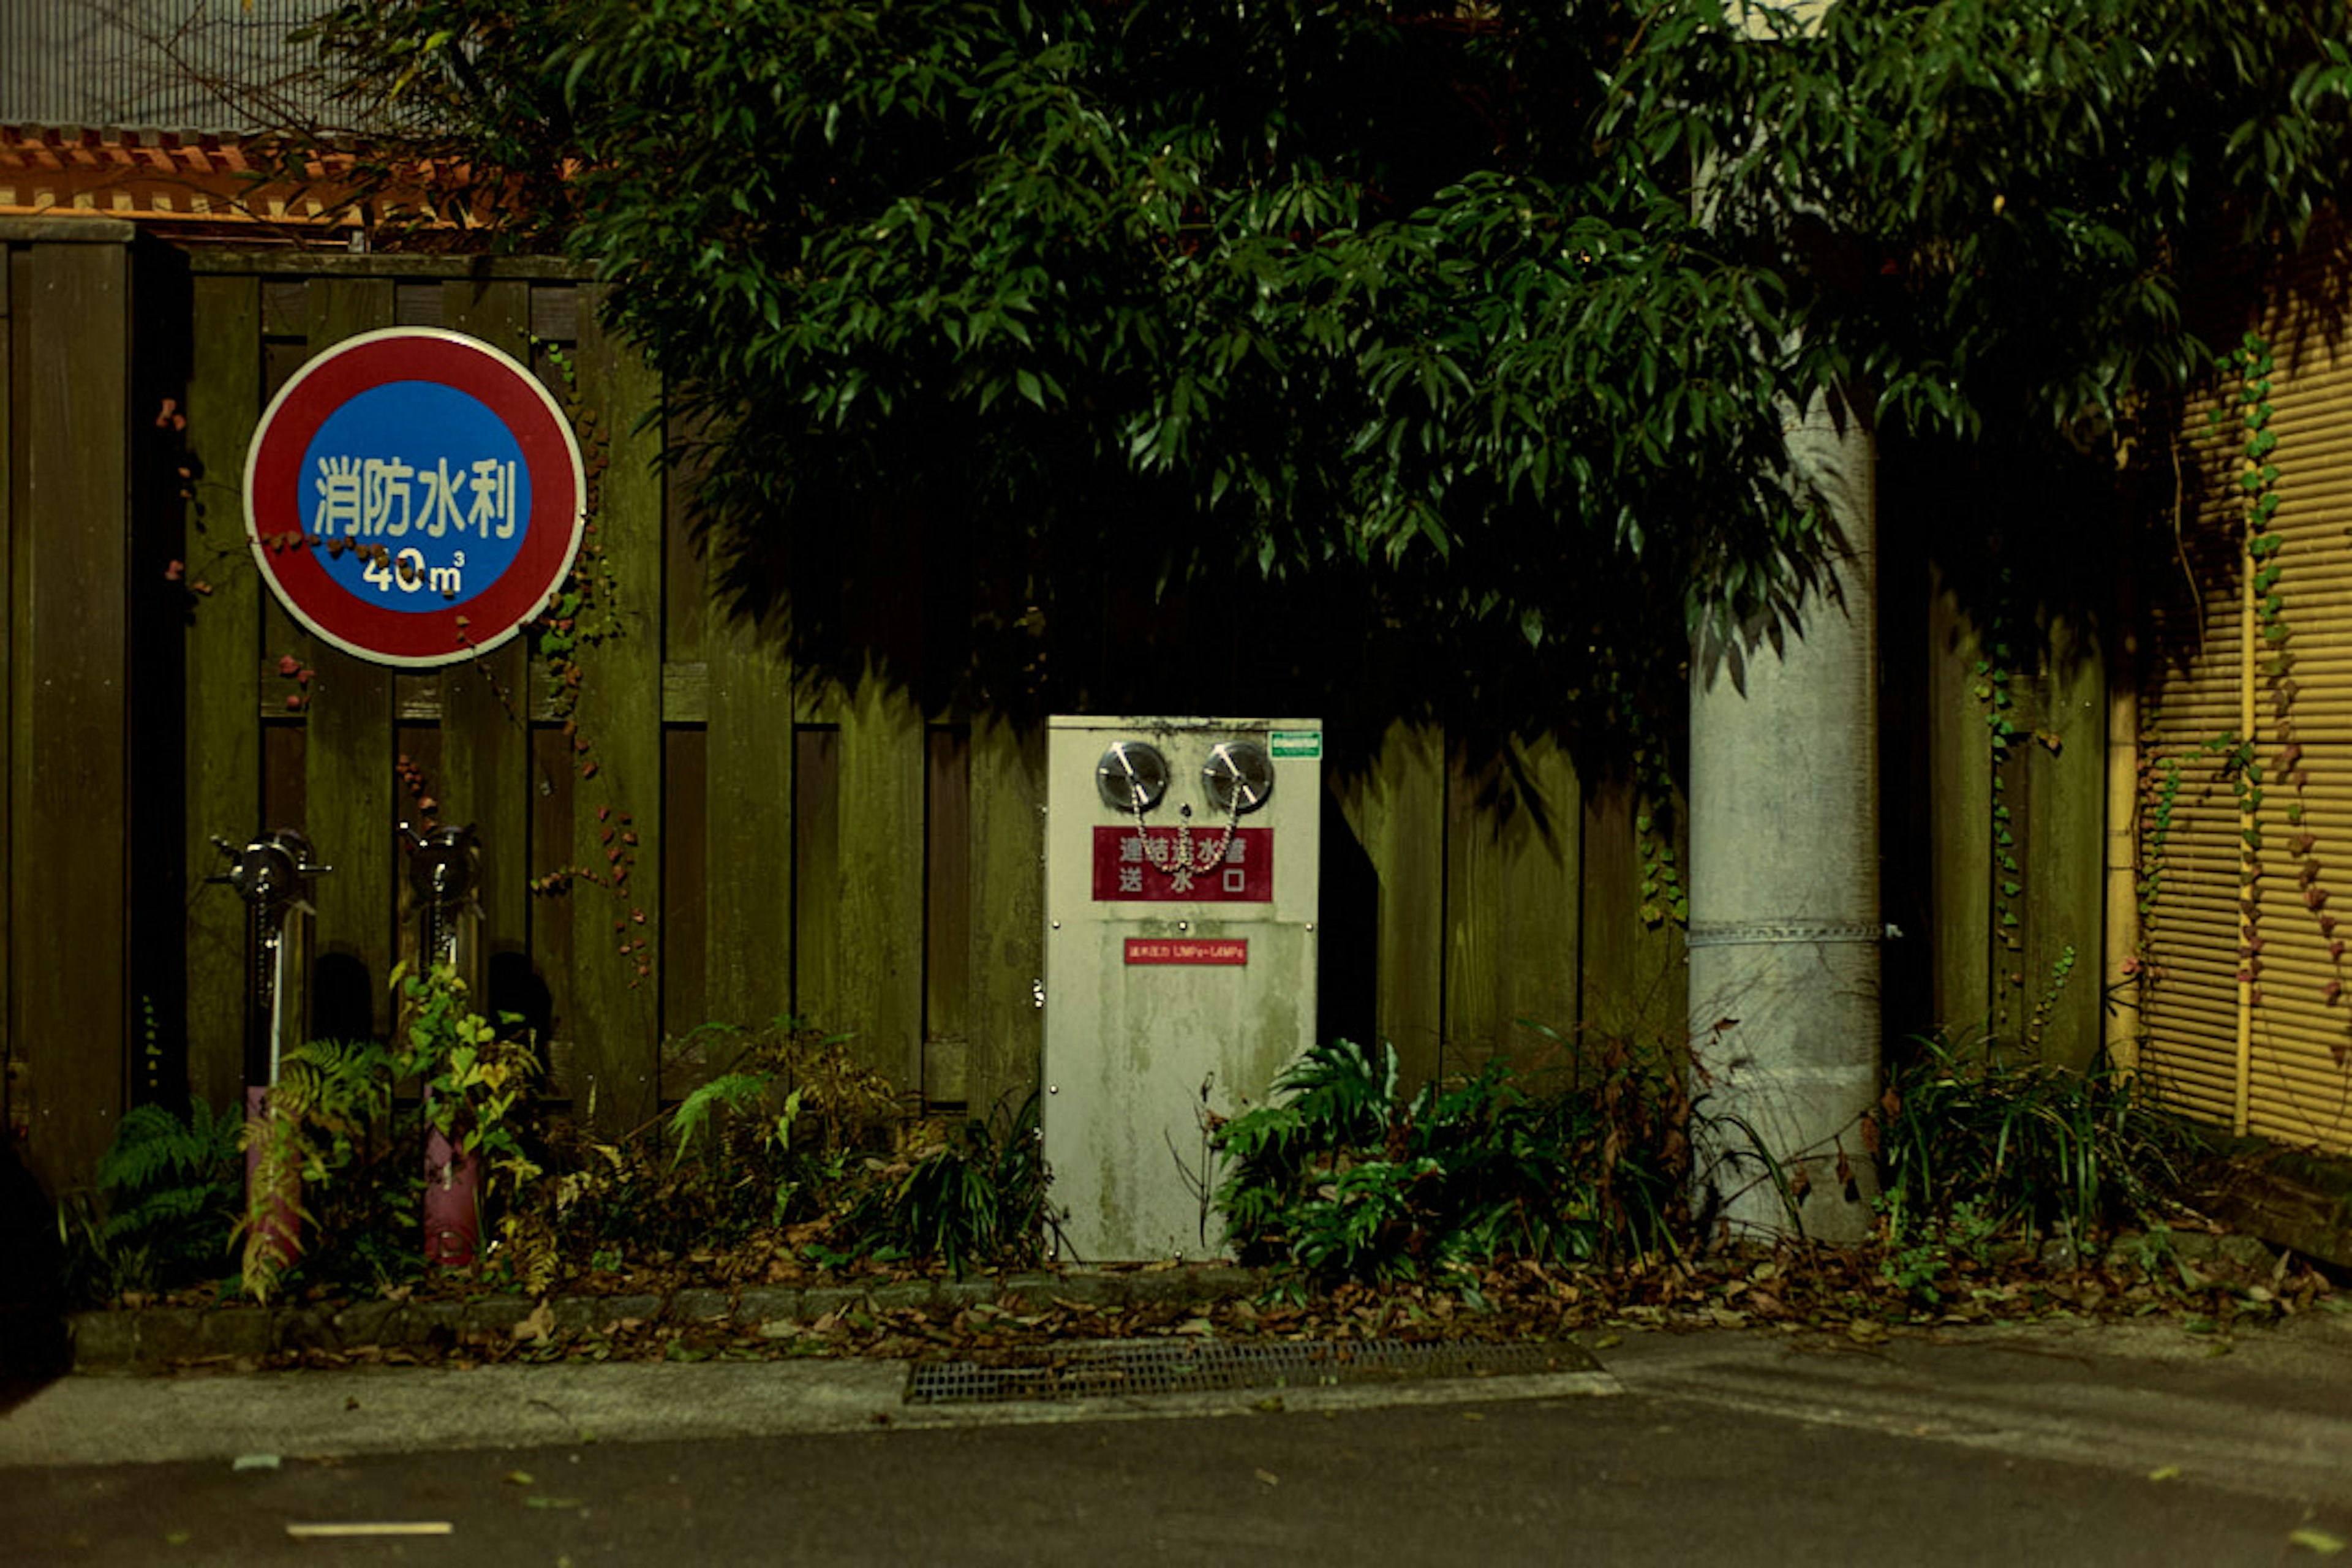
<point x="2258" y="1044"/>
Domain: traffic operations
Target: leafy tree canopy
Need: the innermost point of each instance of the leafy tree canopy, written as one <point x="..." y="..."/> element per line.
<point x="1479" y="319"/>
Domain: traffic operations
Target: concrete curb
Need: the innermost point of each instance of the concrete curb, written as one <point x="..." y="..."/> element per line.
<point x="150" y="1339"/>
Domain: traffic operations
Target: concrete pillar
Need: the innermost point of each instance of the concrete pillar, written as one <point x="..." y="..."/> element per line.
<point x="1784" y="912"/>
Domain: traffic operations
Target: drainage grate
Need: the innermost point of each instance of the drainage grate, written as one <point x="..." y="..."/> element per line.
<point x="1197" y="1367"/>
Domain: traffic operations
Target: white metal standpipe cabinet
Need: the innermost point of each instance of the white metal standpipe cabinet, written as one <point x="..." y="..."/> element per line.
<point x="1182" y="860"/>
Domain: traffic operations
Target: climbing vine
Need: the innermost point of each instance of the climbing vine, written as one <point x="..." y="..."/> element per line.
<point x="2011" y="717"/>
<point x="584" y="615"/>
<point x="1995" y="689"/>
<point x="2250" y="366"/>
<point x="1664" y="901"/>
<point x="2241" y="754"/>
<point x="2159" y="791"/>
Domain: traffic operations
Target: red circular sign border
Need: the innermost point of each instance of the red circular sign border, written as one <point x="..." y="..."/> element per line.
<point x="273" y="479"/>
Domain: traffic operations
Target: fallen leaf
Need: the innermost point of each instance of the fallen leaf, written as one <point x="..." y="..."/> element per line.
<point x="2165" y="1473"/>
<point x="541" y="1500"/>
<point x="2317" y="1541"/>
<point x="534" y="1328"/>
<point x="1270" y="1479"/>
<point x="520" y="1477"/>
<point x="255" y="1462"/>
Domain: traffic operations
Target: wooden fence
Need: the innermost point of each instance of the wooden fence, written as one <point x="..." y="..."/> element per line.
<point x="763" y="840"/>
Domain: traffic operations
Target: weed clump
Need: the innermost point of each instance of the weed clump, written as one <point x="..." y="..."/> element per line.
<point x="1983" y="1148"/>
<point x="1341" y="1177"/>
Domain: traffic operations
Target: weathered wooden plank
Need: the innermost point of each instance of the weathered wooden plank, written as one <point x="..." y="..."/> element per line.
<point x="616" y="1025"/>
<point x="69" y="796"/>
<point x="555" y="312"/>
<point x="554" y="776"/>
<point x="421" y="303"/>
<point x="385" y="266"/>
<point x="686" y="609"/>
<point x="1473" y="913"/>
<point x="1618" y="992"/>
<point x="284" y="781"/>
<point x="686" y="905"/>
<point x="947" y="916"/>
<point x="2065" y="815"/>
<point x="1396" y="809"/>
<point x="1960" y="857"/>
<point x="11" y="511"/>
<point x="1007" y="899"/>
<point x="223" y="683"/>
<point x="880" y="938"/>
<point x="1513" y="826"/>
<point x="1537" y="925"/>
<point x="285" y="304"/>
<point x="348" y="762"/>
<point x="816" y="875"/>
<point x="485" y="741"/>
<point x="748" y="804"/>
<point x="14" y="1108"/>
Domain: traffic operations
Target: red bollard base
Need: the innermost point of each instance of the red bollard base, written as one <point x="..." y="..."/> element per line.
<point x="453" y="1215"/>
<point x="274" y="1216"/>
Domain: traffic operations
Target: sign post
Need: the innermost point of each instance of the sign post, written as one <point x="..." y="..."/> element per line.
<point x="414" y="497"/>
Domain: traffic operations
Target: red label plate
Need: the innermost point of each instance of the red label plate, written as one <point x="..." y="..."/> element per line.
<point x="1184" y="866"/>
<point x="1228" y="951"/>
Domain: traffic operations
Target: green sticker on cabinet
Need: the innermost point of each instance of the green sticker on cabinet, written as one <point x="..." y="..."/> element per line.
<point x="1306" y="743"/>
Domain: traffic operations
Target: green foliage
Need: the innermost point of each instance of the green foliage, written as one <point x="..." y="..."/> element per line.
<point x="795" y="1140"/>
<point x="1989" y="1141"/>
<point x="1922" y="1253"/>
<point x="473" y="1074"/>
<point x="780" y="1127"/>
<point x="329" y="1105"/>
<point x="971" y="1194"/>
<point x="168" y="1190"/>
<point x="1340" y="1177"/>
<point x="794" y="1150"/>
<point x="1483" y="317"/>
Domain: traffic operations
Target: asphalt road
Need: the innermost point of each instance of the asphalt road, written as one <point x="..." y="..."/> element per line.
<point x="2133" y="1446"/>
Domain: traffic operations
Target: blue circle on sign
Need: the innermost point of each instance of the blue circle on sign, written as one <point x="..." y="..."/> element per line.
<point x="416" y="496"/>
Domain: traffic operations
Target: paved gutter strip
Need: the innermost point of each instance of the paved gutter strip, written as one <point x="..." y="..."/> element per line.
<point x="322" y="1414"/>
<point x="2253" y="1421"/>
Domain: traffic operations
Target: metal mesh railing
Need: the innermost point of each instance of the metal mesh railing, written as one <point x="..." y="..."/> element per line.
<point x="214" y="67"/>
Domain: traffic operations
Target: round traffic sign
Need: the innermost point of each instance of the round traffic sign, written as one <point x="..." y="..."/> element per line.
<point x="414" y="496"/>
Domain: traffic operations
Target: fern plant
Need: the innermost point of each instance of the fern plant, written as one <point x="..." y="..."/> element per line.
<point x="168" y="1191"/>
<point x="329" y="1098"/>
